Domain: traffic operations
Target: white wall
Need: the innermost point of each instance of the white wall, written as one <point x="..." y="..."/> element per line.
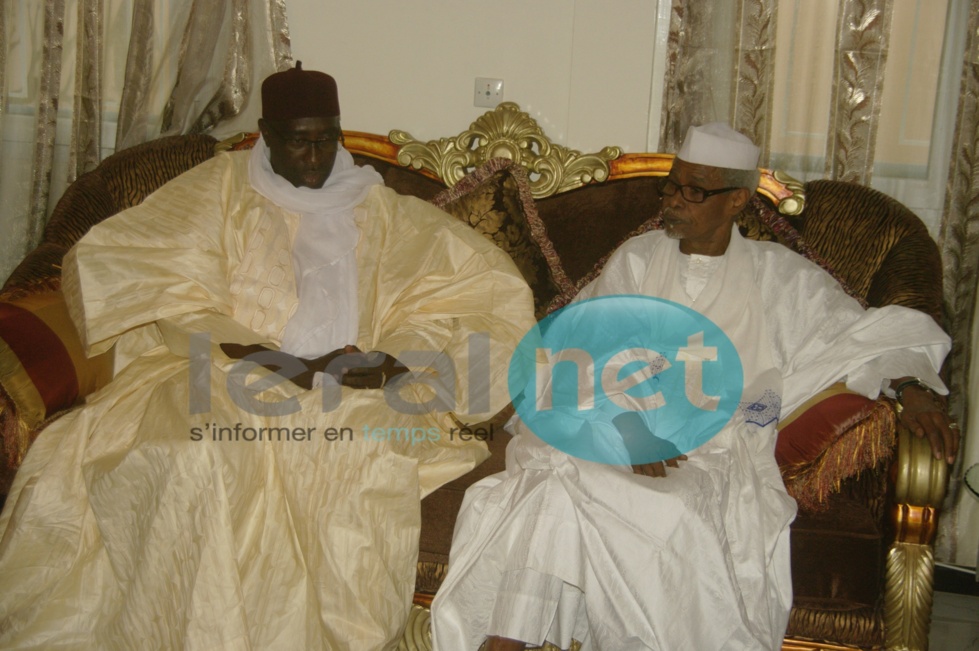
<point x="582" y="68"/>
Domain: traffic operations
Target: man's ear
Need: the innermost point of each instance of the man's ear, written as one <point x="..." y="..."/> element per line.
<point x="738" y="199"/>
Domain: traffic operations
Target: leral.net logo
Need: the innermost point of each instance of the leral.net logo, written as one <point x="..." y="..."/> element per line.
<point x="625" y="379"/>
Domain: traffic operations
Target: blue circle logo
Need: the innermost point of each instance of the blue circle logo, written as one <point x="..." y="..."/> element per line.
<point x="625" y="379"/>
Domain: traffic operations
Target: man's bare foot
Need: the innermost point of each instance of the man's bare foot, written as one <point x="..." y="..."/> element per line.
<point x="494" y="643"/>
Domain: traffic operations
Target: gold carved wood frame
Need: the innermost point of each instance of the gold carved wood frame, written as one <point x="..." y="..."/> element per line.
<point x="511" y="133"/>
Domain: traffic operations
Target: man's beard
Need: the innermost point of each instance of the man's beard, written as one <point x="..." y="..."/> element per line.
<point x="670" y="231"/>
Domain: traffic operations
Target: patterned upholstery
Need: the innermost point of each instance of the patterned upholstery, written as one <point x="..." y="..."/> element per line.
<point x="879" y="246"/>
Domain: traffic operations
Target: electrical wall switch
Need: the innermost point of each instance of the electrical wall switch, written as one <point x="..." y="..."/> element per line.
<point x="488" y="92"/>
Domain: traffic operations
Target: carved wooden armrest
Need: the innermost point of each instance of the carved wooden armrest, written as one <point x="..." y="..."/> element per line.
<point x="919" y="488"/>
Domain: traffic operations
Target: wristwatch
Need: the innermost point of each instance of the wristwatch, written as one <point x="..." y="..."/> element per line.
<point x="899" y="391"/>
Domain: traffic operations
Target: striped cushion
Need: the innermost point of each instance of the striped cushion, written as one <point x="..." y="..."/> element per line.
<point x="43" y="368"/>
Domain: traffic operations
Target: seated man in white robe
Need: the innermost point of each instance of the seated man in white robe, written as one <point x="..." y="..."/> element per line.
<point x="627" y="529"/>
<point x="205" y="501"/>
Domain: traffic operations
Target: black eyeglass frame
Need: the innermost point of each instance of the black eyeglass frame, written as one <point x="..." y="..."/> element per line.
<point x="302" y="144"/>
<point x="703" y="195"/>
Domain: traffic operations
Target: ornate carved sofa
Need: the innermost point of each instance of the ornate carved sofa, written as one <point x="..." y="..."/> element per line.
<point x="868" y="494"/>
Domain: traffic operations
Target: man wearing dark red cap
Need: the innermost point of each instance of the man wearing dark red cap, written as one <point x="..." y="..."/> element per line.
<point x="200" y="501"/>
<point x="301" y="107"/>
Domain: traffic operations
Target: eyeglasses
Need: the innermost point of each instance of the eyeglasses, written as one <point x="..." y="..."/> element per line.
<point x="299" y="145"/>
<point x="692" y="193"/>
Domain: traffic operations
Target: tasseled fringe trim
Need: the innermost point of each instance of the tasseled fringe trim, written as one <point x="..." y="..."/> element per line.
<point x="15" y="432"/>
<point x="860" y="448"/>
<point x="429" y="576"/>
<point x="861" y="626"/>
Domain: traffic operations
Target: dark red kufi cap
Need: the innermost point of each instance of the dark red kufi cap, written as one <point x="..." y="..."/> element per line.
<point x="297" y="93"/>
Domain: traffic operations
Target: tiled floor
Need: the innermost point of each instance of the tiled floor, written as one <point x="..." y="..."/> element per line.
<point x="955" y="615"/>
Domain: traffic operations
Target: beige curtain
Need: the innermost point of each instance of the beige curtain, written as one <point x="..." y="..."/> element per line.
<point x="131" y="125"/>
<point x="184" y="66"/>
<point x="721" y="65"/>
<point x="718" y="73"/>
<point x="863" y="31"/>
<point x="46" y="122"/>
<point x="3" y="70"/>
<point x="86" y="131"/>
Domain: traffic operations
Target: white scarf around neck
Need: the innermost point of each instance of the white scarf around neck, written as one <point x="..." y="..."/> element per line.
<point x="324" y="250"/>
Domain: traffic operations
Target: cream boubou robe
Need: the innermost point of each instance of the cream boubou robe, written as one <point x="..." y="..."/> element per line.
<point x="558" y="548"/>
<point x="135" y="524"/>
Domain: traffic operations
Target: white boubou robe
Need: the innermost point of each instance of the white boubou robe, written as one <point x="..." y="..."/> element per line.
<point x="556" y="547"/>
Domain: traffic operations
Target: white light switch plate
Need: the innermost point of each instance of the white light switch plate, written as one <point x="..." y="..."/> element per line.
<point x="488" y="92"/>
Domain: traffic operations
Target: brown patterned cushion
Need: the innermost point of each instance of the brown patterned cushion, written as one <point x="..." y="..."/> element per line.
<point x="495" y="200"/>
<point x="585" y="224"/>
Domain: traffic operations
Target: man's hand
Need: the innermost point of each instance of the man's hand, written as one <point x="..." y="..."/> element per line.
<point x="924" y="413"/>
<point x="348" y="365"/>
<point x="658" y="469"/>
<point x="371" y="370"/>
<point x="240" y="351"/>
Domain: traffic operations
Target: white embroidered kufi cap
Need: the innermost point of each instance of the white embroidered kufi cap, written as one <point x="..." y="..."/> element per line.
<point x="718" y="145"/>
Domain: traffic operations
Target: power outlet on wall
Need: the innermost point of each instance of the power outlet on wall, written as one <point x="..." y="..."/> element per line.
<point x="488" y="92"/>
